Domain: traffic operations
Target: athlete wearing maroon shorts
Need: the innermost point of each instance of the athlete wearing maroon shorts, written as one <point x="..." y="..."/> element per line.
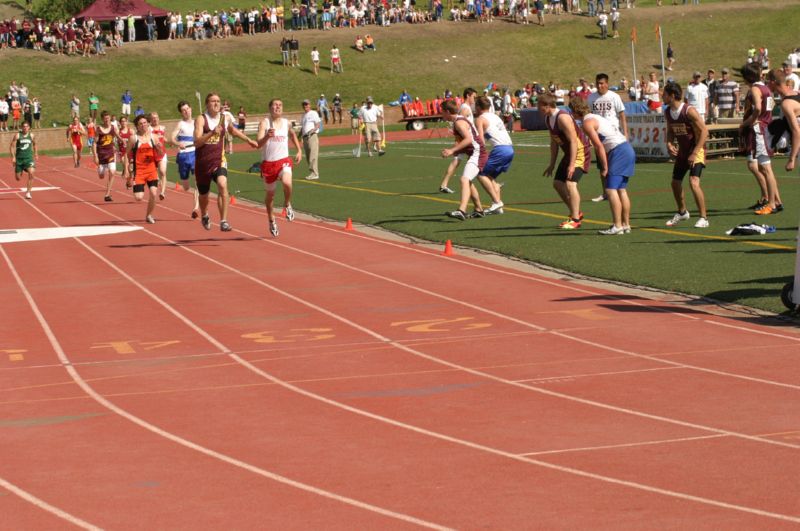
<point x="210" y="163"/>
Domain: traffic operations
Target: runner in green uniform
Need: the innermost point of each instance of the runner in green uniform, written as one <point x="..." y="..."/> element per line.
<point x="23" y="153"/>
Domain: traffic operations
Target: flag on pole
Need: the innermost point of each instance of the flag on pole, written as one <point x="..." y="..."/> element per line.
<point x="634" y="36"/>
<point x="658" y="31"/>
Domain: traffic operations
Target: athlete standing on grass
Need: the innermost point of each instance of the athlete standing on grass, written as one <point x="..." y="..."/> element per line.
<point x="24" y="154"/>
<point x="75" y="131"/>
<point x="790" y="105"/>
<point x="143" y="151"/>
<point x="159" y="134"/>
<point x="466" y="111"/>
<point x="471" y="145"/>
<point x="183" y="138"/>
<point x="105" y="155"/>
<point x="686" y="128"/>
<point x="273" y="137"/>
<point x="616" y="160"/>
<point x="565" y="133"/>
<point x="491" y="127"/>
<point x="210" y="163"/>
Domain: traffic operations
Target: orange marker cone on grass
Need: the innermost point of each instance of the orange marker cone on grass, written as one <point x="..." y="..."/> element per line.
<point x="448" y="248"/>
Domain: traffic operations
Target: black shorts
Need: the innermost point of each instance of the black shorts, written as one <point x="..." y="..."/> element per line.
<point x="681" y="167"/>
<point x="3" y="117"/>
<point x="204" y="181"/>
<point x="561" y="172"/>
<point x="139" y="188"/>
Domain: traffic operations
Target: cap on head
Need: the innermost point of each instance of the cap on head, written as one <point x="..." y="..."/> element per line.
<point x="726" y="71"/>
<point x="306" y="102"/>
<point x="369" y="99"/>
<point x="697" y="74"/>
<point x="786" y="63"/>
<point x="711" y="71"/>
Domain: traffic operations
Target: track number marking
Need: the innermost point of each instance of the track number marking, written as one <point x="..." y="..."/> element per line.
<point x="293" y="335"/>
<point x="442" y="325"/>
<point x="130" y="346"/>
<point x="14" y="354"/>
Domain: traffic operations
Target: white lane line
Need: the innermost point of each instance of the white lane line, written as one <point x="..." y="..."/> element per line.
<point x="416" y="429"/>
<point x="589" y="375"/>
<point x="43" y="505"/>
<point x="626" y="445"/>
<point x="56" y="345"/>
<point x="440" y="361"/>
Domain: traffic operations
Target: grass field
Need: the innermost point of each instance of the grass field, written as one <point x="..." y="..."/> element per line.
<point x="247" y="70"/>
<point x="398" y="192"/>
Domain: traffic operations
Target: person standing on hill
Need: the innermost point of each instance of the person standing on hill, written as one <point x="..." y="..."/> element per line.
<point x="697" y="96"/>
<point x="670" y="56"/>
<point x="94" y="105"/>
<point x="686" y="139"/>
<point x="126" y="99"/>
<point x="294" y="51"/>
<point x="336" y="61"/>
<point x="315" y="60"/>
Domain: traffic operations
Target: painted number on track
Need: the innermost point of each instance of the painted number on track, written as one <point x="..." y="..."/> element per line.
<point x="442" y="325"/>
<point x="132" y="346"/>
<point x="14" y="354"/>
<point x="293" y="335"/>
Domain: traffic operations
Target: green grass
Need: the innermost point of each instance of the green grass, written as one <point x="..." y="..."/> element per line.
<point x="246" y="70"/>
<point x="398" y="192"/>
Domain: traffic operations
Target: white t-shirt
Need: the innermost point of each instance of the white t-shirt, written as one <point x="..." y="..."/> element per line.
<point x="697" y="96"/>
<point x="609" y="135"/>
<point x="495" y="131"/>
<point x="608" y="105"/>
<point x="603" y="19"/>
<point x="277" y="147"/>
<point x="795" y="78"/>
<point x="309" y="122"/>
<point x="369" y="115"/>
<point x="3" y="107"/>
<point x="654" y="96"/>
<point x="315" y="56"/>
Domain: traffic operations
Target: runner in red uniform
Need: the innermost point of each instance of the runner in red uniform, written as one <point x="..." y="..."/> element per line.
<point x="75" y="131"/>
<point x="123" y="137"/>
<point x="210" y="163"/>
<point x="160" y="136"/>
<point x="105" y="153"/>
<point x="143" y="150"/>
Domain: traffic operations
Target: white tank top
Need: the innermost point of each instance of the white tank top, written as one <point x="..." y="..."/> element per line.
<point x="186" y="134"/>
<point x="465" y="107"/>
<point x="277" y="147"/>
<point x="495" y="131"/>
<point x="609" y="135"/>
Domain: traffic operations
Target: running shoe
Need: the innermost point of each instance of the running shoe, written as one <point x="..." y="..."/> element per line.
<point x="28" y="195"/>
<point x="778" y="208"/>
<point x="150" y="219"/>
<point x="477" y="214"/>
<point x="289" y="213"/>
<point x="206" y="222"/>
<point x="613" y="230"/>
<point x="765" y="211"/>
<point x="312" y="177"/>
<point x="599" y="198"/>
<point x="446" y="190"/>
<point x="627" y="229"/>
<point x="195" y="214"/>
<point x="224" y="226"/>
<point x="273" y="228"/>
<point x="702" y="223"/>
<point x="495" y="207"/>
<point x="570" y="224"/>
<point x="107" y="199"/>
<point x="381" y="153"/>
<point x="677" y="218"/>
<point x="458" y="214"/>
<point x="758" y="204"/>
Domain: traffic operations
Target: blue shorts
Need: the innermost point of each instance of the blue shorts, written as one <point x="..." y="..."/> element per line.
<point x="499" y="161"/>
<point x="621" y="162"/>
<point x="185" y="164"/>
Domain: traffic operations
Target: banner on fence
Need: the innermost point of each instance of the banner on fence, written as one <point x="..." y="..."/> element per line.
<point x="647" y="134"/>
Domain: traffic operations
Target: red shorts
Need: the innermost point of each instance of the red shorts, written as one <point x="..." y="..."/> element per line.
<point x="653" y="105"/>
<point x="271" y="169"/>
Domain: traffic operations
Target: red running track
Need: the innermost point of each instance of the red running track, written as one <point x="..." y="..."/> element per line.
<point x="176" y="378"/>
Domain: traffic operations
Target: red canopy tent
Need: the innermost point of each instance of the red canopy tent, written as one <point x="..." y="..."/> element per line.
<point x="105" y="10"/>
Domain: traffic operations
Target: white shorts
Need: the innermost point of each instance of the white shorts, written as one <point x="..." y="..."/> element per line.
<point x="111" y="166"/>
<point x="761" y="154"/>
<point x="471" y="169"/>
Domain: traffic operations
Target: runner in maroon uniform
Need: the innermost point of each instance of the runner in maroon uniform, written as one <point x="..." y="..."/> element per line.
<point x="469" y="144"/>
<point x="210" y="163"/>
<point x="758" y="105"/>
<point x="104" y="150"/>
<point x="566" y="134"/>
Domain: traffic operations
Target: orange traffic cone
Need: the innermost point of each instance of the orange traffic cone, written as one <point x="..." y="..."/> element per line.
<point x="349" y="225"/>
<point x="233" y="199"/>
<point x="283" y="213"/>
<point x="448" y="248"/>
<point x="177" y="186"/>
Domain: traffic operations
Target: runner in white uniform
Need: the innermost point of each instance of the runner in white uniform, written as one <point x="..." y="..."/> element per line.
<point x="183" y="138"/>
<point x="491" y="127"/>
<point x="274" y="133"/>
<point x="466" y="111"/>
<point x="609" y="105"/>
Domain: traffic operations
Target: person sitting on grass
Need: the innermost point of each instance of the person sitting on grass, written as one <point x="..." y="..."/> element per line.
<point x="359" y="44"/>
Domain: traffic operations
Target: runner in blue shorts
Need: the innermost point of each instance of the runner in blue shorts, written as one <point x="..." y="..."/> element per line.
<point x="616" y="159"/>
<point x="492" y="128"/>
<point x="183" y="138"/>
